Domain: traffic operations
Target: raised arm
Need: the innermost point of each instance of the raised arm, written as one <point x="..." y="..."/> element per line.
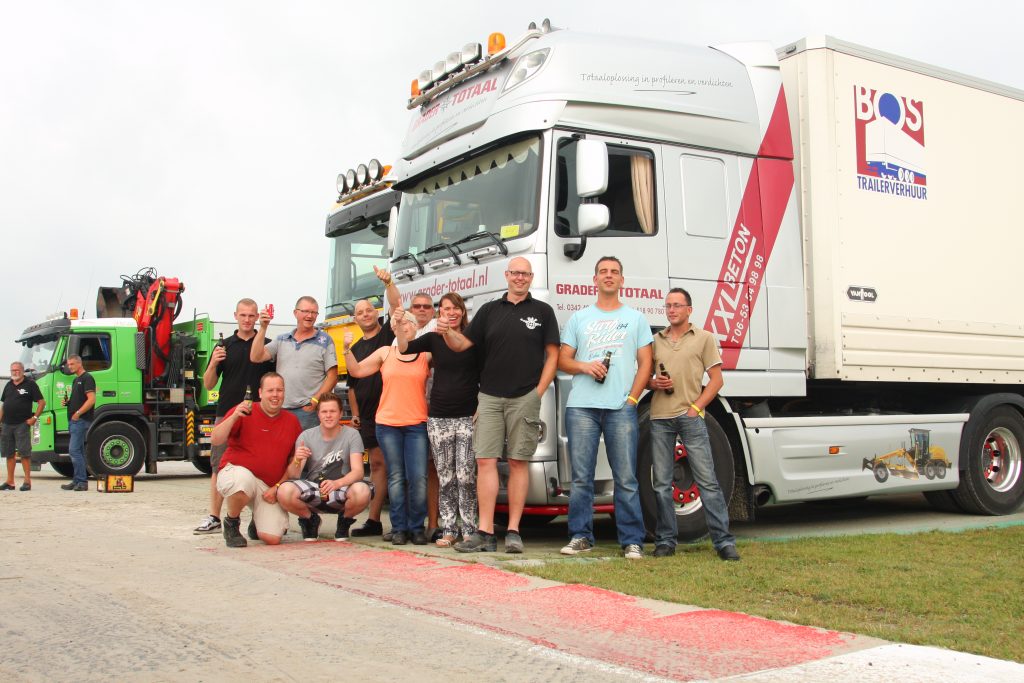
<point x="365" y="367"/>
<point x="259" y="353"/>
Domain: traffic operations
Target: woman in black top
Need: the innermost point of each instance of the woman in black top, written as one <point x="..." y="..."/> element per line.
<point x="450" y="422"/>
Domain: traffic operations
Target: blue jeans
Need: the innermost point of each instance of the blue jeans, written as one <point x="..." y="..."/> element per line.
<point x="77" y="429"/>
<point x="694" y="434"/>
<point x="405" y="453"/>
<point x="307" y="420"/>
<point x="584" y="427"/>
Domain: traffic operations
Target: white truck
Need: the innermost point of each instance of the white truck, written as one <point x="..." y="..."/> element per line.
<point x="845" y="230"/>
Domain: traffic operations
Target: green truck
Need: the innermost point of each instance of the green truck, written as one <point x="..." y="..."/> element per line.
<point x="151" y="405"/>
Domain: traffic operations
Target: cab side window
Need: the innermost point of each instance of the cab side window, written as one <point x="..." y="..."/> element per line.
<point x="94" y="350"/>
<point x="629" y="197"/>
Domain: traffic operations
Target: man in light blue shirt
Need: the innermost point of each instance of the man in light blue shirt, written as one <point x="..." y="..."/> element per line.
<point x="603" y="400"/>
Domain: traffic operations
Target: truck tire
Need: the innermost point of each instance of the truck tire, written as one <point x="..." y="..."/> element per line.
<point x="991" y="458"/>
<point x="115" y="448"/>
<point x="943" y="500"/>
<point x="690" y="520"/>
<point x="64" y="469"/>
<point x="202" y="464"/>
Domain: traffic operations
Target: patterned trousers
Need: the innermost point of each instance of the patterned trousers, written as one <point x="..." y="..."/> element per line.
<point x="451" y="442"/>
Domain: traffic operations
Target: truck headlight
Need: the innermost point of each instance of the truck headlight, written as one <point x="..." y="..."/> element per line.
<point x="526" y="67"/>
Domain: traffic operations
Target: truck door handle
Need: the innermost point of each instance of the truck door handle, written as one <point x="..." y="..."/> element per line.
<point x="109" y="394"/>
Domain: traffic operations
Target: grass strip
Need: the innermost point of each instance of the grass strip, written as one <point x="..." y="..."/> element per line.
<point x="963" y="591"/>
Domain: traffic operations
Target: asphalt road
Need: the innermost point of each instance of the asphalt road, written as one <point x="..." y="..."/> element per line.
<point x="115" y="586"/>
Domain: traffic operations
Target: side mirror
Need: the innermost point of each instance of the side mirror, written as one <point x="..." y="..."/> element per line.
<point x="392" y="230"/>
<point x="591" y="168"/>
<point x="592" y="218"/>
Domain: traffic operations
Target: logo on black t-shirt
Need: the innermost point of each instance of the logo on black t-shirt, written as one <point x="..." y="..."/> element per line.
<point x="531" y="323"/>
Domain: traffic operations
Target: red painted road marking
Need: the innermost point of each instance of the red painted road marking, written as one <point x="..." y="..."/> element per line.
<point x="581" y="620"/>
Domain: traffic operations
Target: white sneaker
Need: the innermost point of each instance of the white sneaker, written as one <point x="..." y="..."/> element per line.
<point x="633" y="552"/>
<point x="577" y="546"/>
<point x="209" y="525"/>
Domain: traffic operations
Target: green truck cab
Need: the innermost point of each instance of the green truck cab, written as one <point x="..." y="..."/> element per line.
<point x="136" y="424"/>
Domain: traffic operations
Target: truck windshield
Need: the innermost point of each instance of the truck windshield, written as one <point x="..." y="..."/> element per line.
<point x="37" y="354"/>
<point x="354" y="254"/>
<point x="495" y="192"/>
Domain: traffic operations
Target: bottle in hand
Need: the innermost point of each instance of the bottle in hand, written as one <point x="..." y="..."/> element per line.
<point x="607" y="364"/>
<point x="664" y="373"/>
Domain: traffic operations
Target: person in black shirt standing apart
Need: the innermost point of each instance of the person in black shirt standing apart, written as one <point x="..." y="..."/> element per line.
<point x="18" y="418"/>
<point x="80" y="414"/>
<point x="230" y="363"/>
<point x="517" y="339"/>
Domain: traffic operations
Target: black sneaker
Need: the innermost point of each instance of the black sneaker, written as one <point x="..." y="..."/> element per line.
<point x="83" y="486"/>
<point x="27" y="486"/>
<point x="664" y="551"/>
<point x="310" y="527"/>
<point x="419" y="538"/>
<point x="341" y="532"/>
<point x="70" y="486"/>
<point x="478" y="542"/>
<point x="232" y="536"/>
<point x="251" y="531"/>
<point x="399" y="538"/>
<point x="728" y="553"/>
<point x="371" y="527"/>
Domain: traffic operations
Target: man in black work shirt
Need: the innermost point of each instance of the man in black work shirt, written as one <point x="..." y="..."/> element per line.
<point x="80" y="414"/>
<point x="518" y="340"/>
<point x="18" y="417"/>
<point x="230" y="363"/>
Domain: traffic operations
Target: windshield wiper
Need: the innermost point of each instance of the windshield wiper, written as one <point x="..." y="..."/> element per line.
<point x="409" y="255"/>
<point x="445" y="247"/>
<point x="479" y="235"/>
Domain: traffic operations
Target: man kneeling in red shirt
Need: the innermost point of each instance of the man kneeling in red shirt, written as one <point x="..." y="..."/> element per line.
<point x="261" y="439"/>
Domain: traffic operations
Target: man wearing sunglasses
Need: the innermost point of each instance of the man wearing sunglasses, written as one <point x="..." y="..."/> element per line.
<point x="305" y="358"/>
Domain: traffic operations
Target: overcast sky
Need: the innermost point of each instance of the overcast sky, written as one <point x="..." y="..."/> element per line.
<point x="204" y="138"/>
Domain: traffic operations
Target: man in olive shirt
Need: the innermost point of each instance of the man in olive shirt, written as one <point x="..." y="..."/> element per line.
<point x="677" y="409"/>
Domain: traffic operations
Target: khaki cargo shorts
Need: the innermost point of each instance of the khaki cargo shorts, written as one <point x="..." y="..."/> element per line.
<point x="509" y="426"/>
<point x="270" y="518"/>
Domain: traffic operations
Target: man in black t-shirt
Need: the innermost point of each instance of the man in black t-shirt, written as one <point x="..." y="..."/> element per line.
<point x="363" y="399"/>
<point x="230" y="363"/>
<point x="80" y="414"/>
<point x="518" y="340"/>
<point x="18" y="417"/>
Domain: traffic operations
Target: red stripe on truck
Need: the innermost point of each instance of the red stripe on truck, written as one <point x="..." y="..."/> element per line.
<point x="765" y="198"/>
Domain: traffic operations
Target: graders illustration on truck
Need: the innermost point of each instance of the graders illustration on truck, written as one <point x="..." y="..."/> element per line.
<point x="150" y="401"/>
<point x="820" y="202"/>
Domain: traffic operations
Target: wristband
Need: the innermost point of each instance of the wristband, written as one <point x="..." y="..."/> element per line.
<point x="314" y="400"/>
<point x="699" y="411"/>
<point x="630" y="398"/>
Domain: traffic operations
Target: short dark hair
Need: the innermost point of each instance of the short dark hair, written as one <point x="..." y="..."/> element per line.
<point x="622" y="271"/>
<point x="680" y="290"/>
<point x="269" y="375"/>
<point x="327" y="397"/>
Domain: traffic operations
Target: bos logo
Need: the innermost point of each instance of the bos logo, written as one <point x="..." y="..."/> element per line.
<point x="890" y="143"/>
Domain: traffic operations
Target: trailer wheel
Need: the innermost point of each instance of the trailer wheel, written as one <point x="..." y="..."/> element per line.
<point x="881" y="473"/>
<point x="64" y="469"/>
<point x="115" y="448"/>
<point x="991" y="458"/>
<point x="690" y="520"/>
<point x="202" y="464"/>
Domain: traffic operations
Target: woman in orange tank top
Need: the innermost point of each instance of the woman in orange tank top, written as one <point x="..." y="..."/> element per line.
<point x="401" y="431"/>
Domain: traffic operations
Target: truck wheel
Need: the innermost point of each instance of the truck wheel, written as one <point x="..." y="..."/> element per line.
<point x="115" y="448"/>
<point x="940" y="469"/>
<point x="64" y="469"/>
<point x="202" y="464"/>
<point x="991" y="481"/>
<point x="690" y="519"/>
<point x="929" y="470"/>
<point x="943" y="500"/>
<point x="881" y="473"/>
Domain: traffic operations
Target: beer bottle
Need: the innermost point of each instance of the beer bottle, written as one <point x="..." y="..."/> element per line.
<point x="607" y="364"/>
<point x="320" y="477"/>
<point x="248" y="394"/>
<point x="220" y="341"/>
<point x="664" y="373"/>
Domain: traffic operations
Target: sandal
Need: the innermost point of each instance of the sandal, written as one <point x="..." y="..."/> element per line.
<point x="445" y="541"/>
